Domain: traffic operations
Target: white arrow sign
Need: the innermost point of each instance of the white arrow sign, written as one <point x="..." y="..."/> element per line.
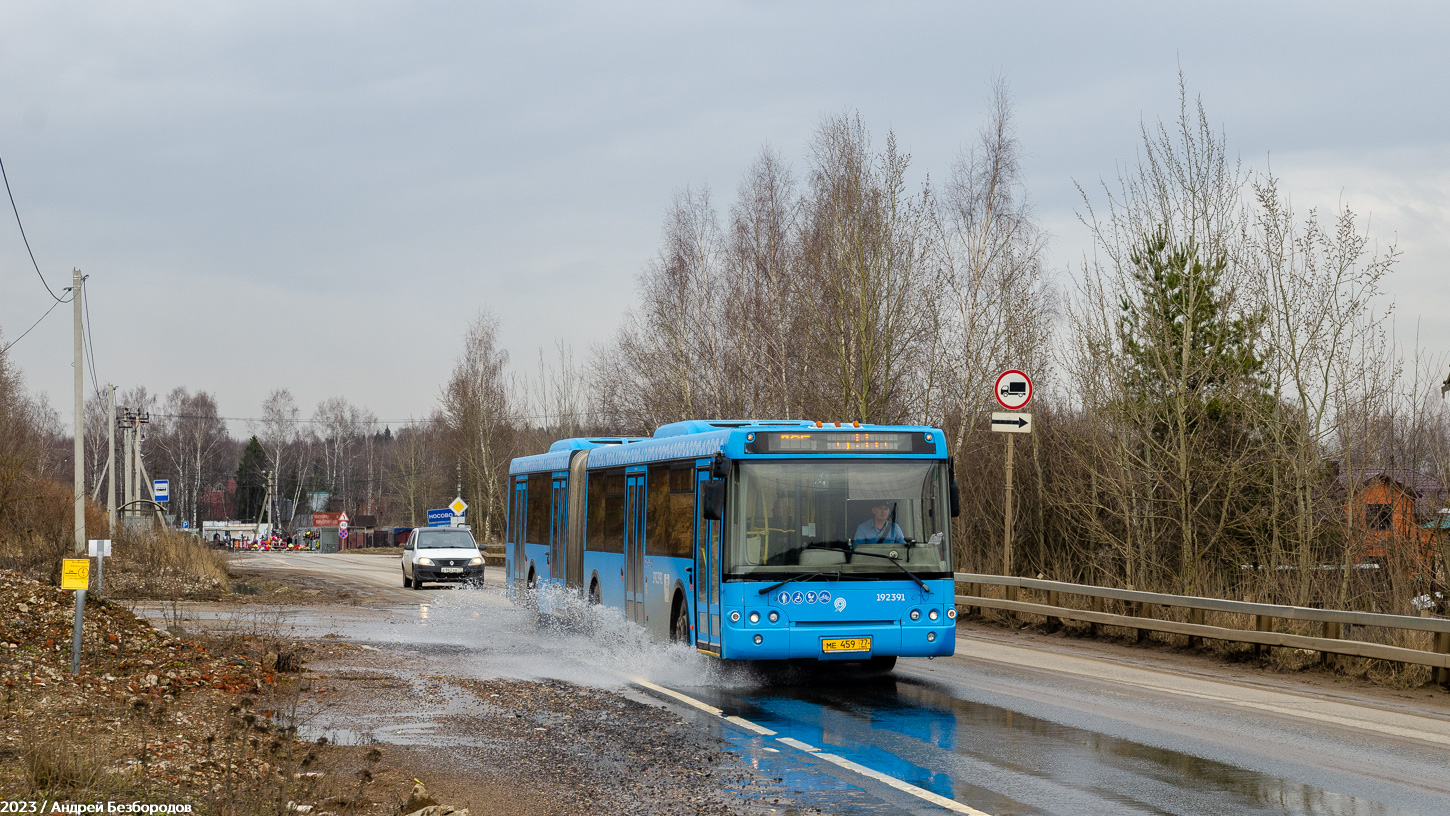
<point x="1012" y="423"/>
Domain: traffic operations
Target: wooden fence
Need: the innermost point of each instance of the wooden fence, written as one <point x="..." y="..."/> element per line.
<point x="1336" y="626"/>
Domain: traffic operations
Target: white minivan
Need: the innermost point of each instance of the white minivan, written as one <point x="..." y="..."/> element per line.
<point x="441" y="554"/>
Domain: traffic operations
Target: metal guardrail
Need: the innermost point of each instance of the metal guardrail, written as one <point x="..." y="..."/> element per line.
<point x="1333" y="621"/>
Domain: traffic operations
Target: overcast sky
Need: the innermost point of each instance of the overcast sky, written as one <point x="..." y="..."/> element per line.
<point x="320" y="196"/>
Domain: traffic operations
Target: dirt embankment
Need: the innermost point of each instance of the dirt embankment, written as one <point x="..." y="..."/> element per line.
<point x="212" y="721"/>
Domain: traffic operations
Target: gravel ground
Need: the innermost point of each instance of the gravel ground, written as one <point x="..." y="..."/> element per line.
<point x="558" y="748"/>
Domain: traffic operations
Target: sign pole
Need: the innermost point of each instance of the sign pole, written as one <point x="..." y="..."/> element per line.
<point x="1013" y="390"/>
<point x="1007" y="529"/>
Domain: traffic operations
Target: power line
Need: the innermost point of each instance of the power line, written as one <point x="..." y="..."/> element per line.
<point x="16" y="210"/>
<point x="90" y="344"/>
<point x="33" y="325"/>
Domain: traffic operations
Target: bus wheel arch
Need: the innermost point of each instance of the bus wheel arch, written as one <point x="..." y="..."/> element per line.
<point x="595" y="595"/>
<point x="679" y="618"/>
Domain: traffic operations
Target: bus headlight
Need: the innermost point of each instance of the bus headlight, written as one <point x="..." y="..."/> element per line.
<point x="774" y="616"/>
<point x="758" y="639"/>
<point x="755" y="617"/>
<point x="734" y="617"/>
<point x="932" y="614"/>
<point x="952" y="613"/>
<point x="916" y="614"/>
<point x="931" y="637"/>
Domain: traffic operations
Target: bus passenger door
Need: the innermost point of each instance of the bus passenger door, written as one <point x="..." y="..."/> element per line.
<point x="520" y="514"/>
<point x="707" y="574"/>
<point x="559" y="528"/>
<point x="634" y="548"/>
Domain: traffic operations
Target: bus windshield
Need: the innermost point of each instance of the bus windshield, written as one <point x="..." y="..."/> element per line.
<point x="855" y="517"/>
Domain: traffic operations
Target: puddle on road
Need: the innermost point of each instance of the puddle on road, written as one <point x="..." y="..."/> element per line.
<point x="974" y="753"/>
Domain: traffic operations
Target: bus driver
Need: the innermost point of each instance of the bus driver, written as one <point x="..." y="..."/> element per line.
<point x="880" y="528"/>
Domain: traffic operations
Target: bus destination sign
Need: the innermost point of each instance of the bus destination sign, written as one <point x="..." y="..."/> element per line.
<point x="839" y="442"/>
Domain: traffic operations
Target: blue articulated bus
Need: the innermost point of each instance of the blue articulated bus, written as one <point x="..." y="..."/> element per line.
<point x="751" y="540"/>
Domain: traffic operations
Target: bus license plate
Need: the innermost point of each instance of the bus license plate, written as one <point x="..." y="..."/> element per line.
<point x="846" y="645"/>
<point x="453" y="569"/>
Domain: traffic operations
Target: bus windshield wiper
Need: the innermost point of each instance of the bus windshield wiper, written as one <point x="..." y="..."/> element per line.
<point x="900" y="566"/>
<point x="804" y="576"/>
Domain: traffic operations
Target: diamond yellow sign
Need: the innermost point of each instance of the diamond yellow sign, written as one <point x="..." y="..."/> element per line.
<point x="75" y="573"/>
<point x="458" y="506"/>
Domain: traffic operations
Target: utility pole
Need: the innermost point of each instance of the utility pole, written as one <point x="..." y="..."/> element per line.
<point x="111" y="466"/>
<point x="80" y="443"/>
<point x="80" y="465"/>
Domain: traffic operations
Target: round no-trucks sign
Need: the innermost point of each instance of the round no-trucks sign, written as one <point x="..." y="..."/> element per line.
<point x="1013" y="390"/>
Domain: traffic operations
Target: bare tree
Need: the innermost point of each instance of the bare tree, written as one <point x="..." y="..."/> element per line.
<point x="477" y="410"/>
<point x="762" y="257"/>
<point x="190" y="434"/>
<point x="1323" y="343"/>
<point x="1167" y="347"/>
<point x="875" y="312"/>
<point x="415" y="473"/>
<point x="340" y="425"/>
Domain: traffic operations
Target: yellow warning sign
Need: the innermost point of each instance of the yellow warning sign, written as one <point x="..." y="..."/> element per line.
<point x="75" y="573"/>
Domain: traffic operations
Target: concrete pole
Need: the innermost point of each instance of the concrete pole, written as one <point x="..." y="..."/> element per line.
<point x="126" y="433"/>
<point x="80" y="466"/>
<point x="80" y="425"/>
<point x="111" y="466"/>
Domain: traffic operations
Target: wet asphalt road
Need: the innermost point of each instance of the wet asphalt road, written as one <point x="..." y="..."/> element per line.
<point x="1002" y="727"/>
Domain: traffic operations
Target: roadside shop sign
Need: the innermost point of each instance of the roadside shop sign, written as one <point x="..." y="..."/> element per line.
<point x="75" y="573"/>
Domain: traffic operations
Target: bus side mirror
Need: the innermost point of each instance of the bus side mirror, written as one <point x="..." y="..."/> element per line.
<point x="712" y="499"/>
<point x="955" y="493"/>
<point x="719" y="467"/>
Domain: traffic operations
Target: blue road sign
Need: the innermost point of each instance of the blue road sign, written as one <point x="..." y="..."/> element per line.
<point x="442" y="517"/>
<point x="161" y="490"/>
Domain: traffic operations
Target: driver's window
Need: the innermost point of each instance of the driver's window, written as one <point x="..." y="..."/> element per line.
<point x="411" y="537"/>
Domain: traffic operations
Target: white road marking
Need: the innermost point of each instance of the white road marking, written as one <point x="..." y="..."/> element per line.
<point x="921" y="793"/>
<point x="750" y="726"/>
<point x="854" y="767"/>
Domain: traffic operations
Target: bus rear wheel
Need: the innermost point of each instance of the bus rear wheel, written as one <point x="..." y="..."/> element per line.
<point x="680" y="626"/>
